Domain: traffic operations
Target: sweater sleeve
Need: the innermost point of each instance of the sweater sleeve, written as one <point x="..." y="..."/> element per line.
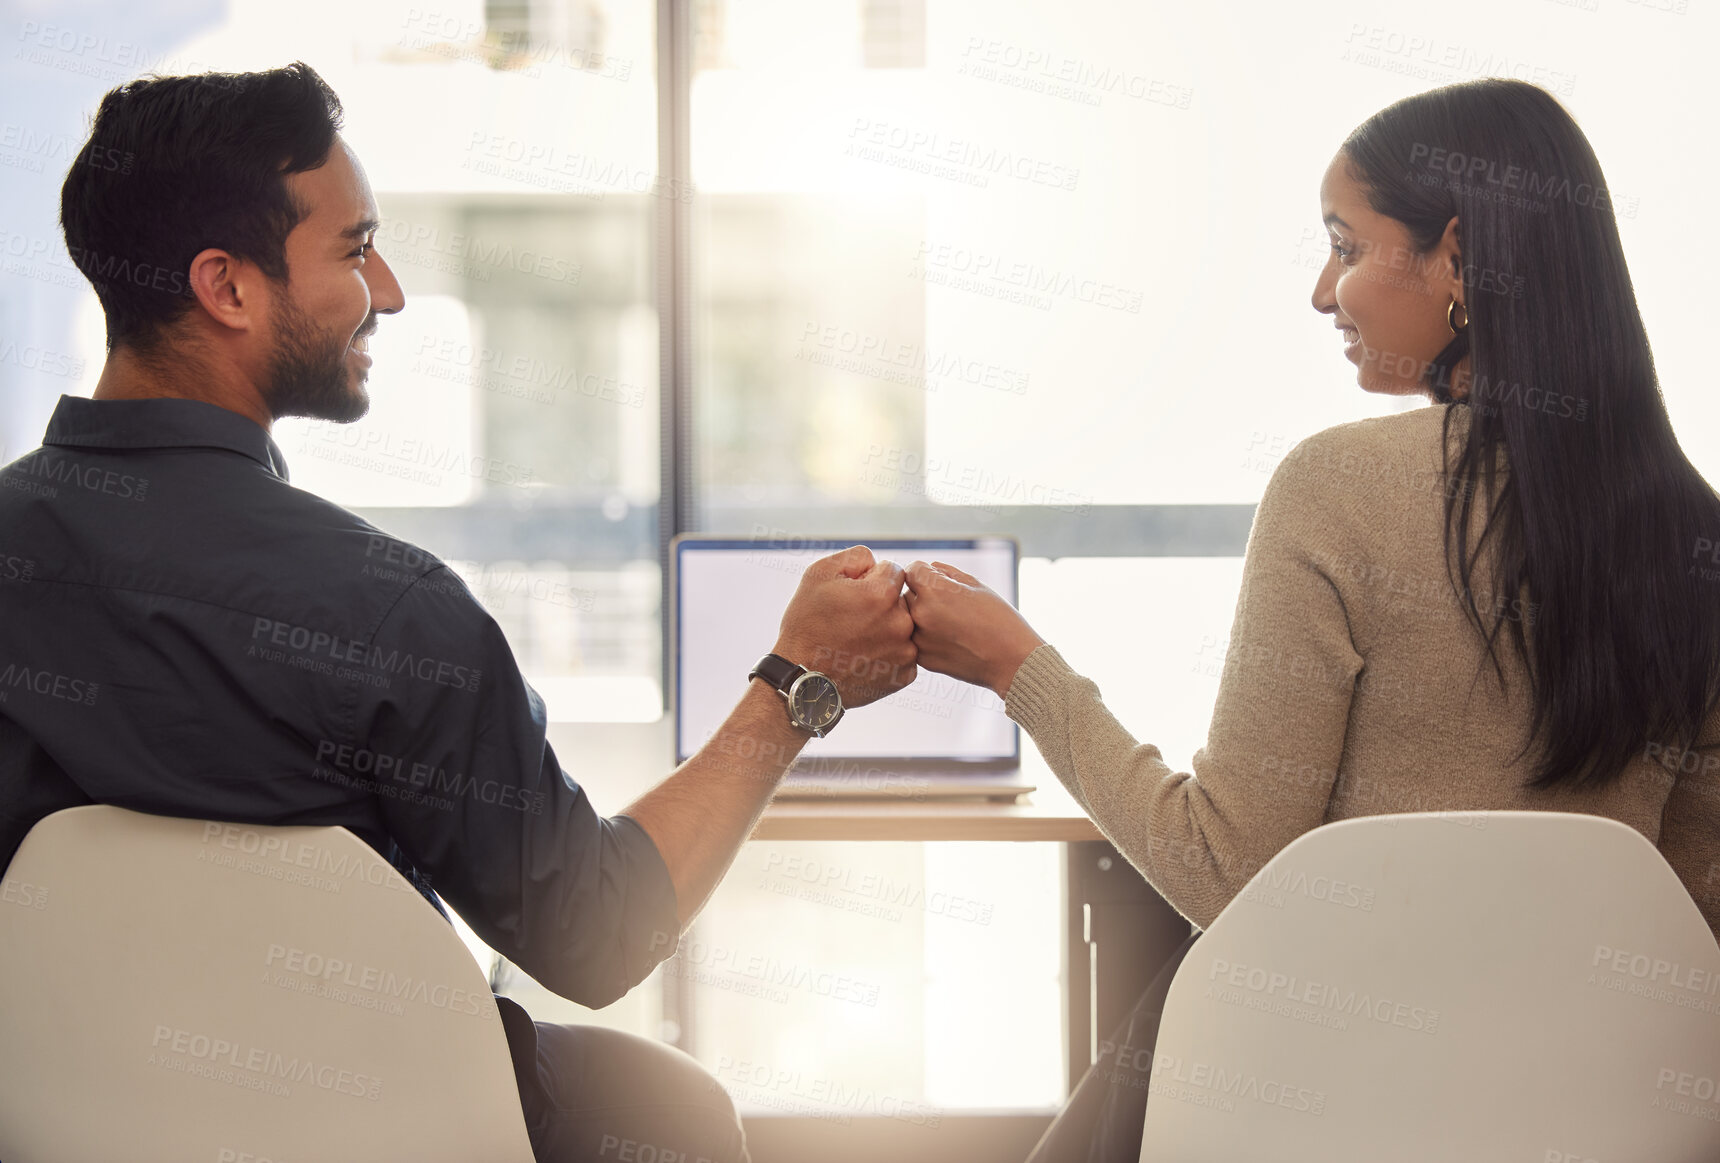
<point x="1271" y="757"/>
<point x="1690" y="824"/>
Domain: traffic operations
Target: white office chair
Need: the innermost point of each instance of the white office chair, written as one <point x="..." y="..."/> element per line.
<point x="1527" y="986"/>
<point x="176" y="990"/>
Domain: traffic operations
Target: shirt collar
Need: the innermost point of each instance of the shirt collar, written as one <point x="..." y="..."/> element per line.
<point x="161" y="423"/>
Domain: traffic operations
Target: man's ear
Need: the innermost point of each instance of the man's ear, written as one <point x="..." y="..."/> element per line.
<point x="227" y="288"/>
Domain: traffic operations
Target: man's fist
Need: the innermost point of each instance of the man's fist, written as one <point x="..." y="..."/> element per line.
<point x="849" y="620"/>
<point x="964" y="629"/>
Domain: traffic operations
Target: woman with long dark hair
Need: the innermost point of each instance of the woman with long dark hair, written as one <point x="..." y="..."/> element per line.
<point x="1510" y="600"/>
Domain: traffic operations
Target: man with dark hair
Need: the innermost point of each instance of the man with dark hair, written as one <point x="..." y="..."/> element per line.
<point x="198" y="638"/>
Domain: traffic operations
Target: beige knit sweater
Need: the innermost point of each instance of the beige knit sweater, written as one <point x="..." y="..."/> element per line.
<point x="1346" y="691"/>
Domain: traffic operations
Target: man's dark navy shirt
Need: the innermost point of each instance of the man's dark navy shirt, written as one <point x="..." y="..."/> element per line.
<point x="182" y="632"/>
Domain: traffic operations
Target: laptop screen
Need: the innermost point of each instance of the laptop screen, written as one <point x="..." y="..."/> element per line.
<point x="729" y="597"/>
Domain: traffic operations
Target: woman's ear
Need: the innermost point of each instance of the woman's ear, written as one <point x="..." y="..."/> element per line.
<point x="1451" y="251"/>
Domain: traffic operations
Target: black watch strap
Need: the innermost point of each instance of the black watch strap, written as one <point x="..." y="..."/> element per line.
<point x="778" y="671"/>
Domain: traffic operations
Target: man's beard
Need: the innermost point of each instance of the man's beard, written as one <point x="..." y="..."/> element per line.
<point x="307" y="372"/>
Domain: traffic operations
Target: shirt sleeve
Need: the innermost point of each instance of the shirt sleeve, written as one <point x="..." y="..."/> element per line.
<point x="1271" y="757"/>
<point x="453" y="742"/>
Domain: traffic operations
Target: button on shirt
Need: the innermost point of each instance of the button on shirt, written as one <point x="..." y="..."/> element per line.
<point x="182" y="632"/>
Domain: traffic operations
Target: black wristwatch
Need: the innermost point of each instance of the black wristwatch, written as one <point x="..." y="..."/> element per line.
<point x="814" y="703"/>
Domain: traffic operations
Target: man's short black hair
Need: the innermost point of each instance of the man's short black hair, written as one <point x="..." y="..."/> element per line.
<point x="175" y="165"/>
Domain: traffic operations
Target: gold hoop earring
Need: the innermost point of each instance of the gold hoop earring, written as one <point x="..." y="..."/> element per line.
<point x="1449" y="322"/>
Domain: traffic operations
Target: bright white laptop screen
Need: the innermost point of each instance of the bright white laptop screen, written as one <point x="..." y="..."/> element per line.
<point x="729" y="600"/>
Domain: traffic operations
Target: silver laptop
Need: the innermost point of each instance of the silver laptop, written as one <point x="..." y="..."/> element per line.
<point x="938" y="738"/>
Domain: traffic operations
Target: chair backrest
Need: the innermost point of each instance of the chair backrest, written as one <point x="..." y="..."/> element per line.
<point x="176" y="989"/>
<point x="1531" y="986"/>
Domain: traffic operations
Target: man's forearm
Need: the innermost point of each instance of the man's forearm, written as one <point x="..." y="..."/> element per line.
<point x="702" y="813"/>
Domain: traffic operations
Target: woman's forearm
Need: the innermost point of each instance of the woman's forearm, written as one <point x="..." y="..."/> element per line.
<point x="1163" y="821"/>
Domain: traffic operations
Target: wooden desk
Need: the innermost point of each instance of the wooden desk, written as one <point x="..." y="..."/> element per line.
<point x="1047" y="813"/>
<point x="617" y="762"/>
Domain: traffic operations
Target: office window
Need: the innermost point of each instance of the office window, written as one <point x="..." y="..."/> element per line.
<point x="1065" y="263"/>
<point x="514" y="421"/>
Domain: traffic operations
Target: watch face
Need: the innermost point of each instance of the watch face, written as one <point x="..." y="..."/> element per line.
<point x="815" y="702"/>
